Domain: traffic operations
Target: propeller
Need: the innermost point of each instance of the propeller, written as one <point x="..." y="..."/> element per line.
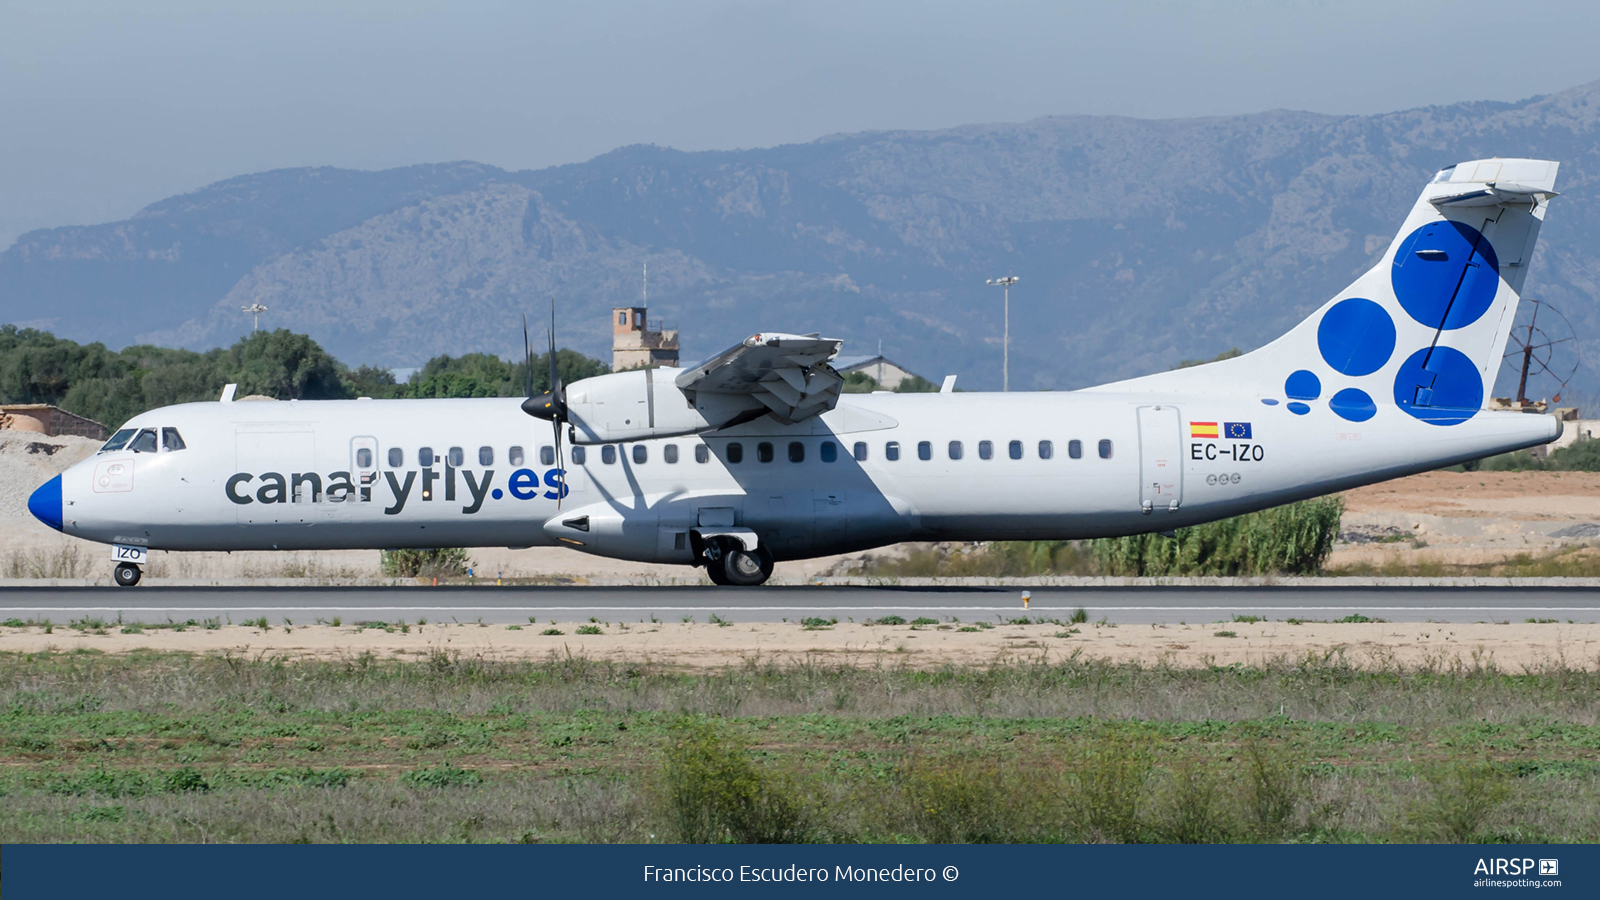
<point x="550" y="405"/>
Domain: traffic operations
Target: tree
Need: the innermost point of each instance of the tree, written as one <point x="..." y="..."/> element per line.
<point x="285" y="365"/>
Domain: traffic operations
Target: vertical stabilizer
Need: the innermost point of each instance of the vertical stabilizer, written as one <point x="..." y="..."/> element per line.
<point x="1424" y="329"/>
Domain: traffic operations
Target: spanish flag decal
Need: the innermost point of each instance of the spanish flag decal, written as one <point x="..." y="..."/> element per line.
<point x="1203" y="429"/>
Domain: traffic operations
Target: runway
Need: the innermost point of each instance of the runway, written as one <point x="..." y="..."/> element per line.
<point x="505" y="605"/>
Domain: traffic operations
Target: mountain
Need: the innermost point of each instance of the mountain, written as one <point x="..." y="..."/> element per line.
<point x="1139" y="242"/>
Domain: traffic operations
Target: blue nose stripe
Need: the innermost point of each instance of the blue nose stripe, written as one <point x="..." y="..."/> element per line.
<point x="45" y="503"/>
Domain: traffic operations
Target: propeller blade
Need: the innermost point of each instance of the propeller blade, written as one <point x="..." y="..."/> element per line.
<point x="527" y="359"/>
<point x="561" y="466"/>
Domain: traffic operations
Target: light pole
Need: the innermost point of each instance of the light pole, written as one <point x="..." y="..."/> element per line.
<point x="1005" y="368"/>
<point x="256" y="310"/>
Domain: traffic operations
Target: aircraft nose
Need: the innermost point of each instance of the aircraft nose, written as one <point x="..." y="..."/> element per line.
<point x="45" y="503"/>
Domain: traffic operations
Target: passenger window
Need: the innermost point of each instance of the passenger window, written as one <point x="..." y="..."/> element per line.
<point x="641" y="453"/>
<point x="485" y="456"/>
<point x="1075" y="449"/>
<point x="1046" y="449"/>
<point x="171" y="440"/>
<point x="579" y="456"/>
<point x="924" y="450"/>
<point x="1105" y="449"/>
<point x="118" y="440"/>
<point x="797" y="452"/>
<point x="829" y="451"/>
<point x="735" y="454"/>
<point x="986" y="449"/>
<point x="955" y="449"/>
<point x="397" y="457"/>
<point x="457" y="457"/>
<point x="702" y="453"/>
<point x="669" y="454"/>
<point x="764" y="452"/>
<point x="425" y="457"/>
<point x="608" y="454"/>
<point x="514" y="456"/>
<point x="547" y="455"/>
<point x="861" y="451"/>
<point x="364" y="458"/>
<point x="144" y="441"/>
<point x="891" y="451"/>
<point x="1014" y="449"/>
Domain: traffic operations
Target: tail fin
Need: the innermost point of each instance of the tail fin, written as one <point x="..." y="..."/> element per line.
<point x="1425" y="328"/>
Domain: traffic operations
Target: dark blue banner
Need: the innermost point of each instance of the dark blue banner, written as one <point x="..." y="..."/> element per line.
<point x="443" y="872"/>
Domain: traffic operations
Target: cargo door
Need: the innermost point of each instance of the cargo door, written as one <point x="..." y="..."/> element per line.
<point x="1160" y="459"/>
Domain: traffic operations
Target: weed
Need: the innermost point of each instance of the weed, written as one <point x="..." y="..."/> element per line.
<point x="1459" y="801"/>
<point x="513" y="627"/>
<point x="719" y="621"/>
<point x="132" y="629"/>
<point x="815" y="623"/>
<point x="890" y="620"/>
<point x="1225" y="634"/>
<point x="1247" y="620"/>
<point x="1195" y="810"/>
<point x="924" y="620"/>
<point x="589" y="629"/>
<point x="336" y="621"/>
<point x="1080" y="616"/>
<point x="712" y="792"/>
<point x="552" y="632"/>
<point x="443" y="776"/>
<point x="1274" y="783"/>
<point x="1110" y="785"/>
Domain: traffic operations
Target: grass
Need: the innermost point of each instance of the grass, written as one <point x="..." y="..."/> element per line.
<point x="154" y="747"/>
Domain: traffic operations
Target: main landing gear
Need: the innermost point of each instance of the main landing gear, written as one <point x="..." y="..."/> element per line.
<point x="127" y="574"/>
<point x="728" y="563"/>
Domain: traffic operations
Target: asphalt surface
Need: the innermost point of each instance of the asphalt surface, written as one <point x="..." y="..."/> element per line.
<point x="1131" y="605"/>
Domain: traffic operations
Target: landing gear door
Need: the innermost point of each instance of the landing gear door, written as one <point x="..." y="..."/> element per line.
<point x="1160" y="459"/>
<point x="363" y="468"/>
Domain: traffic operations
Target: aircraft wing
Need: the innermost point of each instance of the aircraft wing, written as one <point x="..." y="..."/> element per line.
<point x="787" y="373"/>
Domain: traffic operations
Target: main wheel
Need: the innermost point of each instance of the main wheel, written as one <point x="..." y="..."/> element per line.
<point x="746" y="568"/>
<point x="127" y="574"/>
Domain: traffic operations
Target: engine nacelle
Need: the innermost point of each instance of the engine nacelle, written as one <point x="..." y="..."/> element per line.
<point x="646" y="403"/>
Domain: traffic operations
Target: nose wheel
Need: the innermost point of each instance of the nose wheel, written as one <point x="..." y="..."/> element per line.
<point x="127" y="574"/>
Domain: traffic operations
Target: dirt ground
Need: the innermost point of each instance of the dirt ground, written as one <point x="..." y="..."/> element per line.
<point x="1468" y="517"/>
<point x="1511" y="647"/>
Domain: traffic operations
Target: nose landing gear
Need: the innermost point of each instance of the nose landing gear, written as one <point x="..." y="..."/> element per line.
<point x="127" y="574"/>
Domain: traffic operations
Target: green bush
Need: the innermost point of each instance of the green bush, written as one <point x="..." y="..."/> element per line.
<point x="447" y="561"/>
<point x="712" y="792"/>
<point x="1195" y="805"/>
<point x="970" y="799"/>
<point x="1459" y="801"/>
<point x="1292" y="540"/>
<point x="1110" y="786"/>
<point x="1274" y="788"/>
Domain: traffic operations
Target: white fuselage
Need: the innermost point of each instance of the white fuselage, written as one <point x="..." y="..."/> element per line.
<point x="289" y="475"/>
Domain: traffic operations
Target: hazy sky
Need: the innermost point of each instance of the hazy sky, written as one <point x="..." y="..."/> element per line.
<point x="104" y="108"/>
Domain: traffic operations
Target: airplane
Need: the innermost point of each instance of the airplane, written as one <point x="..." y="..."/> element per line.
<point x="755" y="456"/>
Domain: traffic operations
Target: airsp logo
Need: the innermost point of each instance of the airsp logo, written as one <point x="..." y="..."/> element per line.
<point x="1501" y="866"/>
<point x="1549" y="867"/>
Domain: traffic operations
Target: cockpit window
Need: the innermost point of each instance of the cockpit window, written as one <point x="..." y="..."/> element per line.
<point x="1443" y="175"/>
<point x="171" y="440"/>
<point x="144" y="441"/>
<point x="118" y="440"/>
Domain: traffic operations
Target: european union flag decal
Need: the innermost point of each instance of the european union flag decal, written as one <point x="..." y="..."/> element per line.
<point x="1236" y="431"/>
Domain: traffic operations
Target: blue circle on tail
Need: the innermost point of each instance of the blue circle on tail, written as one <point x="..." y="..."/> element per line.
<point x="1353" y="405"/>
<point x="1445" y="275"/>
<point x="1302" y="385"/>
<point x="1442" y="389"/>
<point x="1356" y="336"/>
